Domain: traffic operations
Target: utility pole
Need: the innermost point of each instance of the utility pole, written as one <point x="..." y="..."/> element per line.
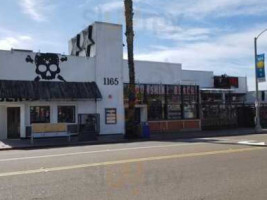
<point x="258" y="127"/>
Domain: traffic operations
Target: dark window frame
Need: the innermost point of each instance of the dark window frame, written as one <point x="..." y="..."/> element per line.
<point x="40" y="121"/>
<point x="158" y="96"/>
<point x="169" y="98"/>
<point x="73" y="115"/>
<point x="190" y="102"/>
<point x="193" y="98"/>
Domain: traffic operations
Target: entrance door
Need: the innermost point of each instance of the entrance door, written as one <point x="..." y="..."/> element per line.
<point x="138" y="115"/>
<point x="13" y="123"/>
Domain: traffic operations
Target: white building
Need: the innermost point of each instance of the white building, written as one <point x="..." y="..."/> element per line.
<point x="52" y="88"/>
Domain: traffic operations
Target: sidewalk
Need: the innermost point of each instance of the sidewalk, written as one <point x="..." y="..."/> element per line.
<point x="56" y="142"/>
<point x="62" y="142"/>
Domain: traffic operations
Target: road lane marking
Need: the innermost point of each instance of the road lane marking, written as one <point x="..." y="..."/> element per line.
<point x="197" y="141"/>
<point x="127" y="161"/>
<point x="192" y="142"/>
<point x="253" y="142"/>
<point x="93" y="152"/>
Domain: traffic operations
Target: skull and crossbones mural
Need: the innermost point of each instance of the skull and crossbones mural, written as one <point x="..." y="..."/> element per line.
<point x="47" y="66"/>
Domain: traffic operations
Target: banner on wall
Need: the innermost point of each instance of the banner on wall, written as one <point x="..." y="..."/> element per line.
<point x="226" y="82"/>
<point x="261" y="68"/>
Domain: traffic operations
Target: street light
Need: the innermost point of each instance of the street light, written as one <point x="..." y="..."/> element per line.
<point x="258" y="125"/>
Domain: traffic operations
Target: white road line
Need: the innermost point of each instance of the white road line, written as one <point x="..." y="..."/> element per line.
<point x="218" y="139"/>
<point x="252" y="143"/>
<point x="93" y="152"/>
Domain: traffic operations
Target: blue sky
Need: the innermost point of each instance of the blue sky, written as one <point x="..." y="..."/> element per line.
<point x="213" y="35"/>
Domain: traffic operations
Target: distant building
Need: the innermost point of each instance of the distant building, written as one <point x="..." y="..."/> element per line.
<point x="251" y="96"/>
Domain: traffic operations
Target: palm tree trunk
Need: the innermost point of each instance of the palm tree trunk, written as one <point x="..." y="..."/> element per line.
<point x="131" y="127"/>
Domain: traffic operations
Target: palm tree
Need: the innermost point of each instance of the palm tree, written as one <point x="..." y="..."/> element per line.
<point x="131" y="130"/>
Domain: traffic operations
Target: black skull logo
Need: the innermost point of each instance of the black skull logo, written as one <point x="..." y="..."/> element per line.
<point x="47" y="66"/>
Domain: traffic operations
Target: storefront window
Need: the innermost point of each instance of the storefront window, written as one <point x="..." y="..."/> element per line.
<point x="66" y="114"/>
<point x="174" y="109"/>
<point x="211" y="97"/>
<point x="234" y="98"/>
<point x="155" y="97"/>
<point x="167" y="102"/>
<point x="139" y="93"/>
<point x="40" y="114"/>
<point x="190" y="102"/>
<point x="155" y="110"/>
<point x="126" y="93"/>
<point x="190" y="111"/>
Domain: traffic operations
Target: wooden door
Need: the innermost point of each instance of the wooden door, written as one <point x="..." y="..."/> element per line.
<point x="13" y="122"/>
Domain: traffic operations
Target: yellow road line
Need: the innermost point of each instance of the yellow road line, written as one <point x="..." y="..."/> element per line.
<point x="109" y="163"/>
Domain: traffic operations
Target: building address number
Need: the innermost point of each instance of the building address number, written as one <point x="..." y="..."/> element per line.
<point x="111" y="81"/>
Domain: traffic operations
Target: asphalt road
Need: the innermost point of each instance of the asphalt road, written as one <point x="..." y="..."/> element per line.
<point x="227" y="168"/>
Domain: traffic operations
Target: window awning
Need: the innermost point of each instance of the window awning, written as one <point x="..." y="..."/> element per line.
<point x="48" y="90"/>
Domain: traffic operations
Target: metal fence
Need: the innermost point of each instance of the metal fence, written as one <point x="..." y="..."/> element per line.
<point x="263" y="115"/>
<point x="216" y="116"/>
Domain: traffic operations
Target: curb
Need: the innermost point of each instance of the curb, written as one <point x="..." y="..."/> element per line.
<point x="71" y="145"/>
<point x="156" y="137"/>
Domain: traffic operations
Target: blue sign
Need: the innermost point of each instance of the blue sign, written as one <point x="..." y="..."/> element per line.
<point x="261" y="68"/>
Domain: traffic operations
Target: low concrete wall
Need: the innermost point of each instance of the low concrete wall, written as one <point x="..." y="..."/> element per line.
<point x="175" y="125"/>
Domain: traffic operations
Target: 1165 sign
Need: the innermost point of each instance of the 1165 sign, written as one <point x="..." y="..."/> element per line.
<point x="111" y="81"/>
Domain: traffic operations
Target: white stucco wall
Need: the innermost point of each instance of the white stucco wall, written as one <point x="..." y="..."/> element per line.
<point x="202" y="78"/>
<point x="154" y="72"/>
<point x="13" y="66"/>
<point x="242" y="85"/>
<point x="205" y="79"/>
<point x="109" y="64"/>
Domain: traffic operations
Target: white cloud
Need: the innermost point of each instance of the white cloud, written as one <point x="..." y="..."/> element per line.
<point x="14" y="39"/>
<point x="20" y="42"/>
<point x="8" y="43"/>
<point x="165" y="29"/>
<point x="25" y="38"/>
<point x="110" y="6"/>
<point x="36" y="9"/>
<point x="203" y="8"/>
<point x="231" y="53"/>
